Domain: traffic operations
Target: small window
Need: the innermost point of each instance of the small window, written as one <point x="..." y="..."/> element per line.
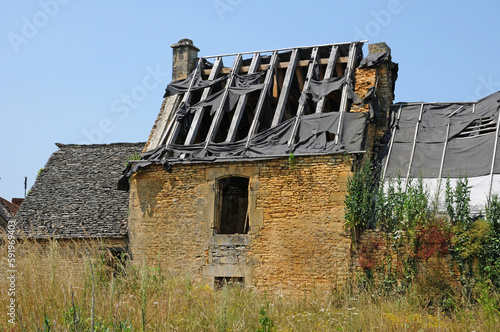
<point x="231" y="210"/>
<point x="220" y="282"/>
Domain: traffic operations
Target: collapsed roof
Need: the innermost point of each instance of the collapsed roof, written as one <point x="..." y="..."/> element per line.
<point x="268" y="104"/>
<point x="75" y="195"/>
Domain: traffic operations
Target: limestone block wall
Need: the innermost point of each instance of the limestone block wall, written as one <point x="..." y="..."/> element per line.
<point x="296" y="240"/>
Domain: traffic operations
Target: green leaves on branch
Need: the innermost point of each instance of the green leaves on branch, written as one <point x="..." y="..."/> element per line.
<point x="360" y="201"/>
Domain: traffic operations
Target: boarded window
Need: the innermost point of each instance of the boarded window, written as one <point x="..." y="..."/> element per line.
<point x="231" y="211"/>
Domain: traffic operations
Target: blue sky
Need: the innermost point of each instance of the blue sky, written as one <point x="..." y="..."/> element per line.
<point x="68" y="65"/>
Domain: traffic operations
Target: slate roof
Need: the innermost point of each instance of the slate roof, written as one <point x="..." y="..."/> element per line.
<point x="76" y="196"/>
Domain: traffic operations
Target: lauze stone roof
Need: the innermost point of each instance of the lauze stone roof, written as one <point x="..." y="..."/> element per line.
<point x="76" y="196"/>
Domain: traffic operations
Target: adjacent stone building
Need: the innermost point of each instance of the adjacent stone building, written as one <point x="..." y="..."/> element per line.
<point x="75" y="197"/>
<point x="244" y="175"/>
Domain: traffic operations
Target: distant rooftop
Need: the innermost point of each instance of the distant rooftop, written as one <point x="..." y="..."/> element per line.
<point x="75" y="196"/>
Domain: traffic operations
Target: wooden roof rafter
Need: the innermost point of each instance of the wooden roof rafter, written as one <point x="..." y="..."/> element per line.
<point x="310" y="71"/>
<point x="214" y="126"/>
<point x="198" y="116"/>
<point x="174" y="125"/>
<point x="283" y="86"/>
<point x="240" y="107"/>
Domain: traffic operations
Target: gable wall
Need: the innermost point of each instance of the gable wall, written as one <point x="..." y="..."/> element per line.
<point x="296" y="239"/>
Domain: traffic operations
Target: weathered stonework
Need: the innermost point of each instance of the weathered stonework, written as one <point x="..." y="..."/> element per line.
<point x="296" y="239"/>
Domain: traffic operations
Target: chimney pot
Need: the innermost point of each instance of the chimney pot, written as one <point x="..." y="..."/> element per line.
<point x="184" y="58"/>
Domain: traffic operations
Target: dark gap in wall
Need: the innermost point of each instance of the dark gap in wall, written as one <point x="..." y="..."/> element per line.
<point x="232" y="209"/>
<point x="221" y="282"/>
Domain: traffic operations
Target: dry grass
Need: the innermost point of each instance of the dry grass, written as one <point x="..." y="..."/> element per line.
<point x="54" y="293"/>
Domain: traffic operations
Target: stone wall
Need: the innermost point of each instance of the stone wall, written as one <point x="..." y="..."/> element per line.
<point x="296" y="239"/>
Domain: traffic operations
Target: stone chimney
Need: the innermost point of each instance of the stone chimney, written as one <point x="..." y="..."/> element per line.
<point x="184" y="59"/>
<point x="385" y="83"/>
<point x="382" y="76"/>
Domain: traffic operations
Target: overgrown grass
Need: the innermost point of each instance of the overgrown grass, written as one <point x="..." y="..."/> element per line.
<point x="55" y="294"/>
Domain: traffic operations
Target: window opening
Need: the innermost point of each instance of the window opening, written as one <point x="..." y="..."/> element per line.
<point x="231" y="215"/>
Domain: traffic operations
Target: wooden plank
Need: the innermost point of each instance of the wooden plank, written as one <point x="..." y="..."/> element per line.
<point x="300" y="78"/>
<point x="343" y="99"/>
<point x="198" y="116"/>
<point x="214" y="126"/>
<point x="258" y="109"/>
<point x="300" y="109"/>
<point x="174" y="125"/>
<point x="338" y="70"/>
<point x="285" y="88"/>
<point x="275" y="85"/>
<point x="280" y="78"/>
<point x="281" y="65"/>
<point x="240" y="107"/>
<point x="334" y="54"/>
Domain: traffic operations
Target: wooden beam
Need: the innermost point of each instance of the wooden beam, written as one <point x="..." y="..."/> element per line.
<point x="310" y="70"/>
<point x="214" y="126"/>
<point x="275" y="85"/>
<point x="174" y="125"/>
<point x="338" y="70"/>
<point x="300" y="78"/>
<point x="198" y="116"/>
<point x="258" y="109"/>
<point x="334" y="54"/>
<point x="285" y="88"/>
<point x="240" y="107"/>
<point x="343" y="100"/>
<point x="281" y="65"/>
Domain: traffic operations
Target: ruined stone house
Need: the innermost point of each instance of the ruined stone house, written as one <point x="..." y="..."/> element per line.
<point x="244" y="175"/>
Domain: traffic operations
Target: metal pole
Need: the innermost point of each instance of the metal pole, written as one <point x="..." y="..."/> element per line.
<point x="440" y="103"/>
<point x="442" y="158"/>
<point x="414" y="144"/>
<point x="494" y="154"/>
<point x="392" y="142"/>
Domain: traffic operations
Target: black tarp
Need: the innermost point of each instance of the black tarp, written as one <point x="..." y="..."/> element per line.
<point x="318" y="89"/>
<point x="471" y="155"/>
<point x="182" y="86"/>
<point x="243" y="84"/>
<point x="315" y="135"/>
<point x="374" y="59"/>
